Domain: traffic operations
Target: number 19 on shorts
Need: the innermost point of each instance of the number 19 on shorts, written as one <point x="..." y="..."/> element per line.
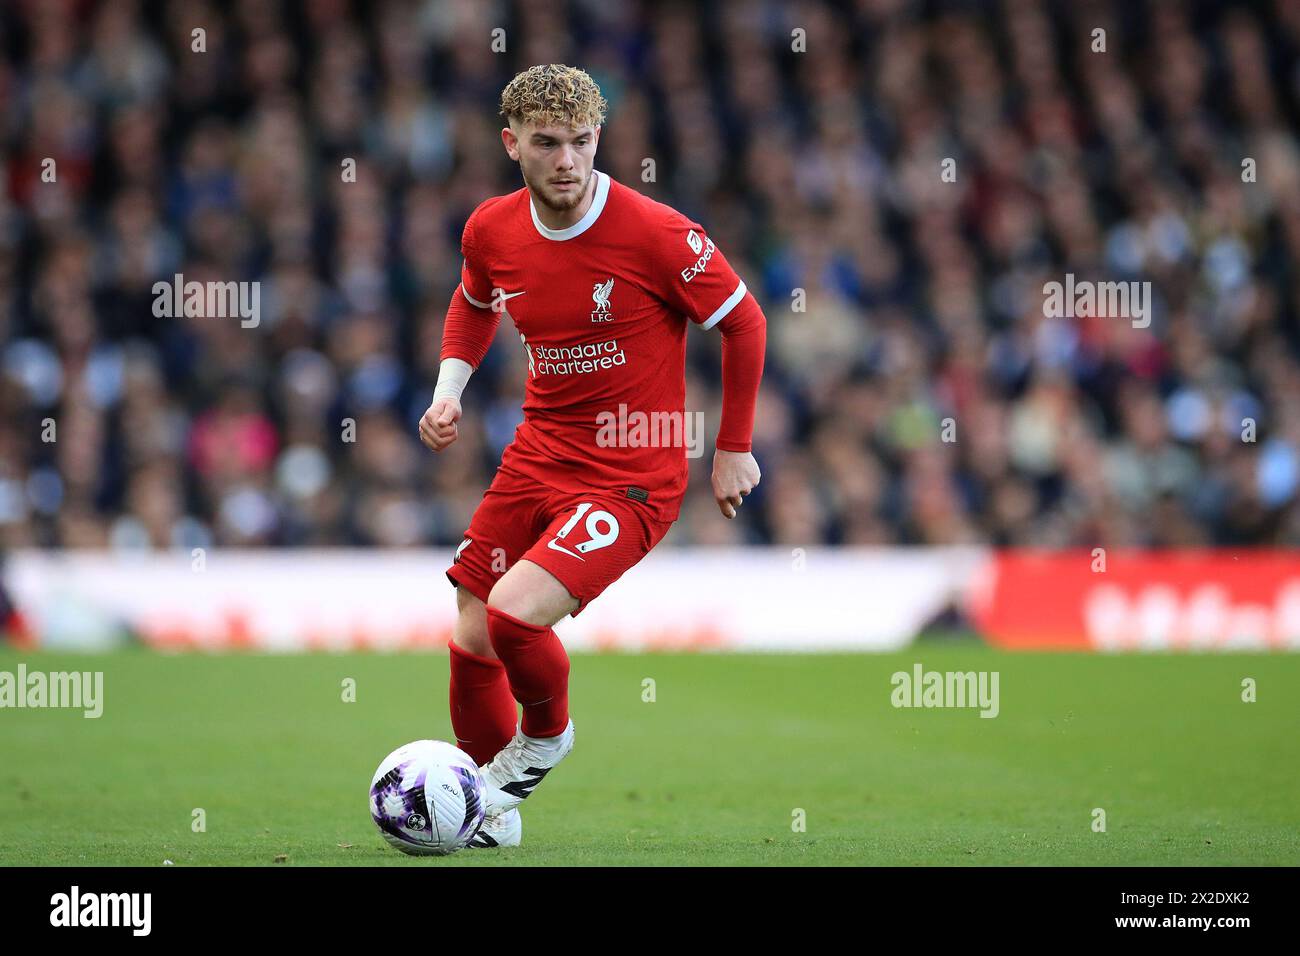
<point x="601" y="527"/>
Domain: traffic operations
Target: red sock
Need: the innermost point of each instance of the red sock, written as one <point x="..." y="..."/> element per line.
<point x="538" y="670"/>
<point x="482" y="709"/>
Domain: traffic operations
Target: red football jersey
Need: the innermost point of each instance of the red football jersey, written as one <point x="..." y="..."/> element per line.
<point x="602" y="308"/>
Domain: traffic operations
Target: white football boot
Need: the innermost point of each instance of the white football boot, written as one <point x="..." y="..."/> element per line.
<point x="501" y="829"/>
<point x="520" y="766"/>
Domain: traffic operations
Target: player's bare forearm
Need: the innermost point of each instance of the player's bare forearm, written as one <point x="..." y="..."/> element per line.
<point x="735" y="474"/>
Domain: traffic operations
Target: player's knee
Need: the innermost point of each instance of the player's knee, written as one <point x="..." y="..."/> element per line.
<point x="513" y="601"/>
<point x="471" y="631"/>
<point x="533" y="597"/>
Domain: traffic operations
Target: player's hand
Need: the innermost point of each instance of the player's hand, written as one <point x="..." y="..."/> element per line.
<point x="735" y="474"/>
<point x="438" y="426"/>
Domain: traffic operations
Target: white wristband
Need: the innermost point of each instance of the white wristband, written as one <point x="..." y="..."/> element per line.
<point x="452" y="376"/>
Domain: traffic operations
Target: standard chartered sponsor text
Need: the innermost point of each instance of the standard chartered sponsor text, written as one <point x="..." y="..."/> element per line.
<point x="577" y="359"/>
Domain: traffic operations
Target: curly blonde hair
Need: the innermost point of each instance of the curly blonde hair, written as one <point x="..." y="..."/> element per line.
<point x="553" y="95"/>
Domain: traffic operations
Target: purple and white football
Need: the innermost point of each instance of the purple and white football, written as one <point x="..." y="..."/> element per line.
<point x="427" y="798"/>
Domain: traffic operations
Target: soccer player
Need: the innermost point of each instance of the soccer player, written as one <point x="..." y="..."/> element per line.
<point x="601" y="283"/>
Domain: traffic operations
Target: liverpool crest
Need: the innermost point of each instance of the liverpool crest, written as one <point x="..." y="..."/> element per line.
<point x="600" y="293"/>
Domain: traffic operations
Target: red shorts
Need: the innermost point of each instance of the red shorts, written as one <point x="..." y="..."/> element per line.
<point x="586" y="540"/>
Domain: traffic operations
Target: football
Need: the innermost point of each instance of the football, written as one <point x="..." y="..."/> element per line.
<point x="427" y="798"/>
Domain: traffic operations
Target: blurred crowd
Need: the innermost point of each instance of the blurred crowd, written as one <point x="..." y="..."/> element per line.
<point x="896" y="181"/>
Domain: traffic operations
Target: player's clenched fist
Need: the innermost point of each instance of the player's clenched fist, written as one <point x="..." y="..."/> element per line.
<point x="438" y="426"/>
<point x="735" y="474"/>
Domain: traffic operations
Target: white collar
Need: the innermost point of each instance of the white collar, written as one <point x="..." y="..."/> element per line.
<point x="589" y="218"/>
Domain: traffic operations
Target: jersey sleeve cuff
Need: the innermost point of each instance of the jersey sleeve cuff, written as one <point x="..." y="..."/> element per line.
<point x="471" y="300"/>
<point x="726" y="307"/>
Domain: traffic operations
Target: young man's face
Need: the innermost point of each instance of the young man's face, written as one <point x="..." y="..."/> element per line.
<point x="556" y="161"/>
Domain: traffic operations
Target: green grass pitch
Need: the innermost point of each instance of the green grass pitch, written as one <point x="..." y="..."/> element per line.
<point x="713" y="771"/>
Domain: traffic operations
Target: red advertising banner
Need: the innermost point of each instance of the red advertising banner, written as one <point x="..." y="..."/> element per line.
<point x="1131" y="600"/>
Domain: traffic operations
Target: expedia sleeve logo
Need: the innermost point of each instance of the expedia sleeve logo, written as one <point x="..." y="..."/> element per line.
<point x="704" y="248"/>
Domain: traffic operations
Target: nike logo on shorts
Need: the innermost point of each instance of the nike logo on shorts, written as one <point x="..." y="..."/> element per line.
<point x="561" y="548"/>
